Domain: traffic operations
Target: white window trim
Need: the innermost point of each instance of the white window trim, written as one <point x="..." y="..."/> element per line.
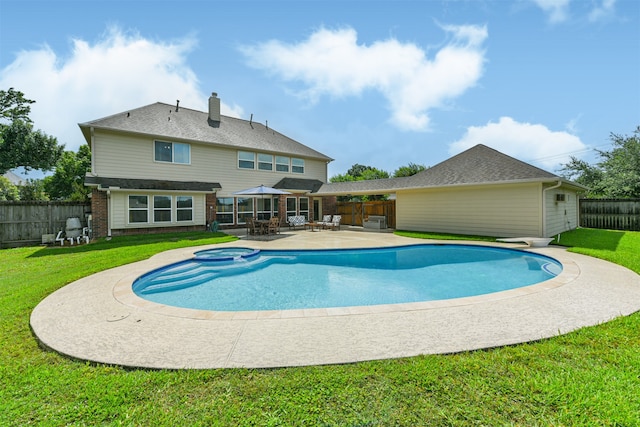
<point x="184" y="221"/>
<point x="170" y="209"/>
<point x="173" y="155"/>
<point x="129" y="209"/>
<point x="260" y="162"/>
<point x="288" y="164"/>
<point x="297" y="166"/>
<point x="245" y="160"/>
<point x="232" y="213"/>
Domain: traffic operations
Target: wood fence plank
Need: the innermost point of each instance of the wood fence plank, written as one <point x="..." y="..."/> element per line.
<point x="24" y="223"/>
<point x="612" y="214"/>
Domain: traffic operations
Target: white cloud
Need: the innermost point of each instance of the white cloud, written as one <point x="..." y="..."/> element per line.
<point x="557" y="9"/>
<point x="118" y="72"/>
<point x="333" y="63"/>
<point x="606" y="9"/>
<point x="532" y="143"/>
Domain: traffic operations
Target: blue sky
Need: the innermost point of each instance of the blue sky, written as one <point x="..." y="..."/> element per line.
<point x="379" y="83"/>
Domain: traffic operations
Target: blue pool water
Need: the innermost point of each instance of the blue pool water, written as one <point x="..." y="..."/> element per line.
<point x="241" y="279"/>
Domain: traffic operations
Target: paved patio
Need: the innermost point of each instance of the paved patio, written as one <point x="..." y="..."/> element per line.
<point x="98" y="318"/>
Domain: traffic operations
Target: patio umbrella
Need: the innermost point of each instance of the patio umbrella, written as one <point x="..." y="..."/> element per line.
<point x="260" y="190"/>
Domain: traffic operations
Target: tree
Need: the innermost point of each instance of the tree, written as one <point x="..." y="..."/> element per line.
<point x="20" y="144"/>
<point x="409" y="170"/>
<point x="67" y="182"/>
<point x="8" y="191"/>
<point x="14" y="106"/>
<point x="360" y="172"/>
<point x="33" y="190"/>
<point x="617" y="175"/>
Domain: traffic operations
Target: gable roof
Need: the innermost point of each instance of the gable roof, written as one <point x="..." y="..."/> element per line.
<point x="162" y="120"/>
<point x="14" y="179"/>
<point x="479" y="165"/>
<point x="476" y="166"/>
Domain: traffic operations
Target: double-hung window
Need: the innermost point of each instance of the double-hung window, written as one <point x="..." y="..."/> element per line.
<point x="138" y="209"/>
<point x="161" y="208"/>
<point x="297" y="165"/>
<point x="265" y="162"/>
<point x="172" y="152"/>
<point x="184" y="208"/>
<point x="282" y="164"/>
<point x="246" y="160"/>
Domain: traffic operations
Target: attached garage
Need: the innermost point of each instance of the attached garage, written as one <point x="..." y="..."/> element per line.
<point x="479" y="192"/>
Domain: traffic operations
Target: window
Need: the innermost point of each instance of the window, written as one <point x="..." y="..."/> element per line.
<point x="181" y="153"/>
<point x="263" y="208"/>
<point x="265" y="162"/>
<point x="172" y="152"/>
<point x="224" y="210"/>
<point x="303" y="203"/>
<point x="138" y="209"/>
<point x="184" y="208"/>
<point x="282" y="164"/>
<point x="291" y="206"/>
<point x="276" y="204"/>
<point x="245" y="209"/>
<point x="246" y="160"/>
<point x="297" y="165"/>
<point x="161" y="208"/>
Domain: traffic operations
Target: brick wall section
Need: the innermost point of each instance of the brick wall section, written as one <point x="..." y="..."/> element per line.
<point x="155" y="230"/>
<point x="99" y="213"/>
<point x="210" y="206"/>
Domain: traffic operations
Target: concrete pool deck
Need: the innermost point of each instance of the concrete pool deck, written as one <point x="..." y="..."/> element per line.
<point x="100" y="319"/>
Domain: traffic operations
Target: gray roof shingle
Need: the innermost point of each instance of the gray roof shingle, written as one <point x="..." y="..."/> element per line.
<point x="150" y="184"/>
<point x="477" y="165"/>
<point x="161" y="120"/>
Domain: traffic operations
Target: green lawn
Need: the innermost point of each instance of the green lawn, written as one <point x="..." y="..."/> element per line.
<point x="590" y="377"/>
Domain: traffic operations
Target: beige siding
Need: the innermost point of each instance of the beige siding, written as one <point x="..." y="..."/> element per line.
<point x="498" y="210"/>
<point x="560" y="216"/>
<point x="132" y="157"/>
<point x="119" y="215"/>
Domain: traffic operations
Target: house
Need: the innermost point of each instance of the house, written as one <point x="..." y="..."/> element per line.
<point x="164" y="167"/>
<point x="478" y="192"/>
<point x="13" y="178"/>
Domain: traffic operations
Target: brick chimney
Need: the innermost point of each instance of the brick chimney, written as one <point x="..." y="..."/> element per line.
<point x="214" y="107"/>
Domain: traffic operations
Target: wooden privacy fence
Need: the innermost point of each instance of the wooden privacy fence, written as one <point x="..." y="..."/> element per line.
<point x="24" y="223"/>
<point x="612" y="214"/>
<point x="354" y="213"/>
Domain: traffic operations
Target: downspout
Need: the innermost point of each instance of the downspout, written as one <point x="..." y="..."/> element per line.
<point x="109" y="214"/>
<point x="92" y="147"/>
<point x="544" y="206"/>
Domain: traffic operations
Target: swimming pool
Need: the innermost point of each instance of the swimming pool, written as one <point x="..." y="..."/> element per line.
<point x="250" y="280"/>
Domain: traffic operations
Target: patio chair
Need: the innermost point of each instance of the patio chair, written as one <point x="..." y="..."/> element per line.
<point x="274" y="225"/>
<point x="335" y="222"/>
<point x="326" y="220"/>
<point x="253" y="227"/>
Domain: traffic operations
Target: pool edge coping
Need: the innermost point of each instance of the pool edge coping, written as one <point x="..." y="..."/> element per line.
<point x="123" y="291"/>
